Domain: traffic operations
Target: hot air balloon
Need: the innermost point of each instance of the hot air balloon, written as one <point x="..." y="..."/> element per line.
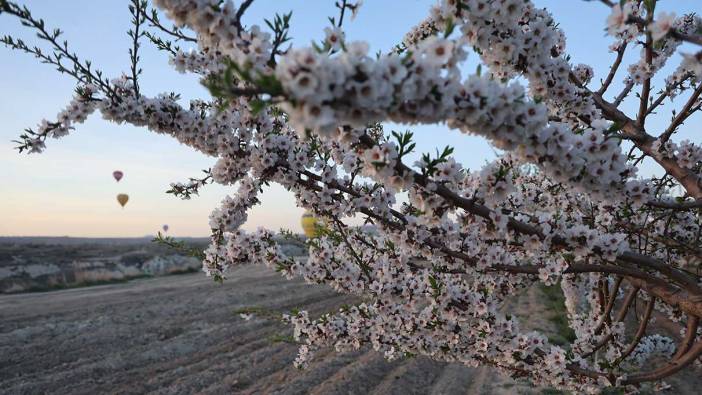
<point x="122" y="198"/>
<point x="310" y="224"/>
<point x="165" y="228"/>
<point x="117" y="175"/>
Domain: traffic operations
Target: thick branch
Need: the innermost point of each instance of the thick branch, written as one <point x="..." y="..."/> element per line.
<point x="667" y="370"/>
<point x="623" y="310"/>
<point x="640" y="332"/>
<point x="690" y="335"/>
<point x="643" y="141"/>
<point x="675" y="297"/>
<point x="685" y="205"/>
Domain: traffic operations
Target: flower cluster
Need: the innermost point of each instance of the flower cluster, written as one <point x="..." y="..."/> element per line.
<point x="217" y="28"/>
<point x="334" y="38"/>
<point x="515" y="37"/>
<point x="560" y="205"/>
<point x="76" y="112"/>
<point x="663" y="24"/>
<point x="200" y="62"/>
<point x="583" y="73"/>
<point x="665" y="45"/>
<point x="354" y="89"/>
<point x="686" y="153"/>
<point x="419" y="33"/>
<point x="693" y="63"/>
<point x="618" y="20"/>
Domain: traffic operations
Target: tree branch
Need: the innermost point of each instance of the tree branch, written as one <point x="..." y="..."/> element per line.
<point x="684" y="113"/>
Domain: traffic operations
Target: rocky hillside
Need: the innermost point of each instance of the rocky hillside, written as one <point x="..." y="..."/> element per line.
<point x="36" y="264"/>
<point x="45" y="263"/>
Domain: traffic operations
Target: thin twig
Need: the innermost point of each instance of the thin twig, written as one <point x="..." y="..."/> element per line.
<point x="684" y="113"/>
<point x="613" y="69"/>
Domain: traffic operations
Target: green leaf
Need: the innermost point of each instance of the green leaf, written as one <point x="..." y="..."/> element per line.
<point x="615" y="127"/>
<point x="450" y="26"/>
<point x="257" y="105"/>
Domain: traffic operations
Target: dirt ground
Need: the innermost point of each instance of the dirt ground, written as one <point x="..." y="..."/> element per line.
<point x="180" y="335"/>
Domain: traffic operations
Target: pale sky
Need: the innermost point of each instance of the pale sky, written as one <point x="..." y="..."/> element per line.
<point x="69" y="189"/>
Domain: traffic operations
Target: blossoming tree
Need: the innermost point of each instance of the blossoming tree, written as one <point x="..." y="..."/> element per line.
<point x="561" y="205"/>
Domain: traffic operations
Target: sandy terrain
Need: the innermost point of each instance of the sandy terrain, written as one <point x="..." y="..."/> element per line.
<point x="179" y="334"/>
